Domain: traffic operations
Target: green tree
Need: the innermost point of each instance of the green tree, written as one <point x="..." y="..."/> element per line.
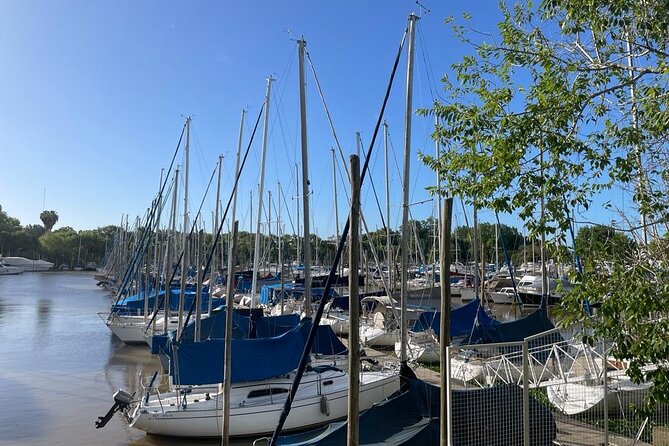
<point x="49" y="219"/>
<point x="603" y="244"/>
<point x="569" y="99"/>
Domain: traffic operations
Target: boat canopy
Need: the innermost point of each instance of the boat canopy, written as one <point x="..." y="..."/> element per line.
<point x="463" y="320"/>
<point x="533" y="324"/>
<point x="252" y="359"/>
<point x="272" y="293"/>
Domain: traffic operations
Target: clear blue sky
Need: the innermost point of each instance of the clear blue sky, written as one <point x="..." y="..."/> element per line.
<point x="94" y="94"/>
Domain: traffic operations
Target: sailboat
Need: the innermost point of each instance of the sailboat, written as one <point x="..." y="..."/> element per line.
<point x="262" y="373"/>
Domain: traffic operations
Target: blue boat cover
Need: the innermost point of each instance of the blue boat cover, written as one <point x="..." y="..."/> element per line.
<point x="272" y="293"/>
<point x="252" y="359"/>
<point x="463" y="320"/>
<point x="211" y="327"/>
<point x="530" y="325"/>
<point x="134" y="304"/>
<point x="491" y="416"/>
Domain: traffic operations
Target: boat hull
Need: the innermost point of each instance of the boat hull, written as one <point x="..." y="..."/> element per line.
<point x="313" y="408"/>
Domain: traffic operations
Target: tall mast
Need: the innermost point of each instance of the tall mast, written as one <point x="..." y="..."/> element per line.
<point x="239" y="150"/>
<point x="334" y="191"/>
<point x="261" y="188"/>
<point x="184" y="235"/>
<point x="305" y="181"/>
<point x="358" y="144"/>
<point x="214" y="229"/>
<point x="405" y="187"/>
<point x="171" y="244"/>
<point x="250" y="225"/>
<point x="279" y="234"/>
<point x="297" y="210"/>
<point x="389" y="251"/>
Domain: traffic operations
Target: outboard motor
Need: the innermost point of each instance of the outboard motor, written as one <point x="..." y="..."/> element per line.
<point x="122" y="400"/>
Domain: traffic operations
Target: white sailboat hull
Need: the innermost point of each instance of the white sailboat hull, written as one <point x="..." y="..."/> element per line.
<point x="132" y="329"/>
<point x="578" y="398"/>
<point x="421" y="347"/>
<point x="373" y="336"/>
<point x="320" y="400"/>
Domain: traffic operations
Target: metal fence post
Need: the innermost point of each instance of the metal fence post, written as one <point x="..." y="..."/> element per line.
<point x="605" y="383"/>
<point x="526" y="395"/>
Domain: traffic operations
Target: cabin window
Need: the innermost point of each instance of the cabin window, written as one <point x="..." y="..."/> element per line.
<point x="266" y="392"/>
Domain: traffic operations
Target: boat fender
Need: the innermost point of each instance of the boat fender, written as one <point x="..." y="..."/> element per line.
<point x="325" y="405"/>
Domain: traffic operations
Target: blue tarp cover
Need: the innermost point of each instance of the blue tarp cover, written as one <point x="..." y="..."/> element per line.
<point x="252" y="359"/>
<point x="532" y="324"/>
<point x="463" y="320"/>
<point x="296" y="291"/>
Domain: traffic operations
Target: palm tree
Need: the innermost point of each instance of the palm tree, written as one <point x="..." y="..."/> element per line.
<point x="49" y="219"/>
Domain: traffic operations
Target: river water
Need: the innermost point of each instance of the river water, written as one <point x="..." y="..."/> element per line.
<point x="60" y="365"/>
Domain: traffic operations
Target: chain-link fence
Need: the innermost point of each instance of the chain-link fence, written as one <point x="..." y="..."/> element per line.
<point x="548" y="390"/>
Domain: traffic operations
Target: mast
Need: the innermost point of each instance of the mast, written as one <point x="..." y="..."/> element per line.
<point x="268" y="247"/>
<point x="230" y="288"/>
<point x="171" y="244"/>
<point x="389" y="251"/>
<point x="256" y="252"/>
<point x="305" y="181"/>
<point x="297" y="210"/>
<point x="250" y="225"/>
<point x="279" y="234"/>
<point x="184" y="247"/>
<point x="334" y="191"/>
<point x="405" y="188"/>
<point x="214" y="229"/>
<point x="358" y="144"/>
<point x="239" y="151"/>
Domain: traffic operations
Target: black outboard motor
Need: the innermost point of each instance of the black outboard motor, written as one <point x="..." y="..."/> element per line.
<point x="122" y="400"/>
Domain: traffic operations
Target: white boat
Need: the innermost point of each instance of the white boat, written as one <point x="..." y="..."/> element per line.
<point x="6" y="270"/>
<point x="27" y="264"/>
<point x="422" y="346"/>
<point x="578" y="398"/>
<point x="379" y="327"/>
<point x="255" y="407"/>
<point x="132" y="329"/>
<point x="337" y="319"/>
<point x="505" y="295"/>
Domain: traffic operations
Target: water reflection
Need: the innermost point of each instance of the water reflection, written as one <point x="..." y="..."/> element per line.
<point x="43" y="315"/>
<point x="3" y="309"/>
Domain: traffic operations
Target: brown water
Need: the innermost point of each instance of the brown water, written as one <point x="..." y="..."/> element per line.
<point x="60" y="365"/>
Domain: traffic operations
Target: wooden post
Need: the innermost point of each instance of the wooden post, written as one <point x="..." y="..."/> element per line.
<point x="445" y="323"/>
<point x="230" y="303"/>
<point x="354" y="306"/>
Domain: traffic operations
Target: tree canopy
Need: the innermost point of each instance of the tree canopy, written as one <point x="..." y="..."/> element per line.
<point x="49" y="219"/>
<point x="570" y="98"/>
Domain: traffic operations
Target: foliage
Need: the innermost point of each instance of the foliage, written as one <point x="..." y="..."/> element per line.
<point x="546" y="113"/>
<point x="603" y="244"/>
<point x="570" y="99"/>
<point x="49" y="219"/>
